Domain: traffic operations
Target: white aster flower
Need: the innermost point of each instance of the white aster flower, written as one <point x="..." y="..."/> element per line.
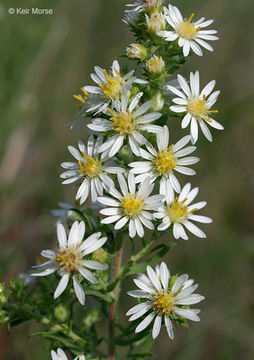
<point x="197" y="105"/>
<point x="126" y="122"/>
<point x="179" y="212"/>
<point x="60" y="355"/>
<point x="132" y="206"/>
<point x="70" y="259"/>
<point x="155" y="22"/>
<point x="90" y="168"/>
<point x="189" y="34"/>
<point x="163" y="299"/>
<point x="109" y="86"/>
<point x="164" y="161"/>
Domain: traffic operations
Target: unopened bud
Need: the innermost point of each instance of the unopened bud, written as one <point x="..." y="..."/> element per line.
<point x="155" y="65"/>
<point x="152" y="3"/>
<point x="100" y="255"/>
<point x="156" y="22"/>
<point x="91" y="317"/>
<point x="61" y="313"/>
<point x="136" y="52"/>
<point x="3" y="317"/>
<point x="3" y="295"/>
<point x="158" y="102"/>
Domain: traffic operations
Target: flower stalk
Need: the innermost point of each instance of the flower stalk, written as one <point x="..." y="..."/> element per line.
<point x="116" y="293"/>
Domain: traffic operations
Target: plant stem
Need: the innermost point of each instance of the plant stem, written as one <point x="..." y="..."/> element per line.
<point x="113" y="305"/>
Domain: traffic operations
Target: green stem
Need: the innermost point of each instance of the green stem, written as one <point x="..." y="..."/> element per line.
<point x="136" y="257"/>
<point x="113" y="305"/>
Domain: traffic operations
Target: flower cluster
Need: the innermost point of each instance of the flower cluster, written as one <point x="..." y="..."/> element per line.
<point x="131" y="177"/>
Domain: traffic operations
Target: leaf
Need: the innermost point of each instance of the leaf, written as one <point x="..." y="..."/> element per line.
<point x="148" y="343"/>
<point x="99" y="295"/>
<point x="140" y="355"/>
<point x="160" y="250"/>
<point x="123" y="341"/>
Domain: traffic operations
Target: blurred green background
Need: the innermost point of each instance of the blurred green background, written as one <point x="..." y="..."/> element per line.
<point x="47" y="58"/>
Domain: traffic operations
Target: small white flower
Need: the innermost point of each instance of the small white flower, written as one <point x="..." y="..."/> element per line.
<point x="131" y="206"/>
<point x="70" y="258"/>
<point x="109" y="86"/>
<point x="197" y="105"/>
<point x="155" y="65"/>
<point x="126" y="122"/>
<point x="156" y="22"/>
<point x="179" y="212"/>
<point x="165" y="161"/>
<point x="60" y="355"/>
<point x="161" y="298"/>
<point x="90" y="168"/>
<point x="189" y="34"/>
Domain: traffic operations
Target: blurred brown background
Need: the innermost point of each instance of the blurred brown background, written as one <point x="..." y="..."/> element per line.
<point x="47" y="58"/>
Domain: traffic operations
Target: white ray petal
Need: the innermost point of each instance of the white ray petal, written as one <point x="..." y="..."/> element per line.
<point x="62" y="285"/>
<point x="79" y="291"/>
<point x="156" y="327"/>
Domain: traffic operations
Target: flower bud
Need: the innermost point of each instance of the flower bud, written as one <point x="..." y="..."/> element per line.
<point x="3" y="295"/>
<point x="155" y="65"/>
<point x="100" y="255"/>
<point x="136" y="52"/>
<point x="61" y="313"/>
<point x="158" y="102"/>
<point x="3" y="317"/>
<point x="152" y="3"/>
<point x="91" y="317"/>
<point x="156" y="22"/>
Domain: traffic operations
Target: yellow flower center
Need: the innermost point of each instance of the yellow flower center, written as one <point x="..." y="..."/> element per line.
<point x="164" y="302"/>
<point x="177" y="211"/>
<point x="90" y="167"/>
<point x="113" y="85"/>
<point x="165" y="162"/>
<point x="186" y="29"/>
<point x="123" y="122"/>
<point x="68" y="260"/>
<point x="132" y="205"/>
<point x="199" y="109"/>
